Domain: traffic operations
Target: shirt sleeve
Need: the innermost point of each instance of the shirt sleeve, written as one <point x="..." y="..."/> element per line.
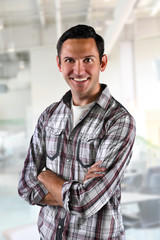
<point x="29" y="187"/>
<point x="115" y="151"/>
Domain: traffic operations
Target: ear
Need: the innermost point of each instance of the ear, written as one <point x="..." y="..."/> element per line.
<point x="103" y="63"/>
<point x="58" y="64"/>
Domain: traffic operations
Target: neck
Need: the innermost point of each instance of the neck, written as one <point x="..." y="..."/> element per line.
<point x="83" y="100"/>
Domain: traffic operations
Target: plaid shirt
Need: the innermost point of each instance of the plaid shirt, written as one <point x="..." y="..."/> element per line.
<point x="106" y="131"/>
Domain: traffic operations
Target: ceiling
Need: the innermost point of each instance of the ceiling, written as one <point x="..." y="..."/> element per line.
<point x="58" y="15"/>
<point x="26" y="24"/>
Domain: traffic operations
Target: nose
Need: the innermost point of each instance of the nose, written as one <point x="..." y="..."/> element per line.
<point x="79" y="68"/>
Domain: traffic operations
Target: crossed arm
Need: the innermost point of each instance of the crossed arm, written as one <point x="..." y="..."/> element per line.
<point x="54" y="183"/>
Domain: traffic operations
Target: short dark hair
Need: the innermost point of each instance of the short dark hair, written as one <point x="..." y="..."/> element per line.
<point x="81" y="32"/>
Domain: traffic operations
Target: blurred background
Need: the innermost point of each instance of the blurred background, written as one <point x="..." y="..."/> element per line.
<point x="30" y="81"/>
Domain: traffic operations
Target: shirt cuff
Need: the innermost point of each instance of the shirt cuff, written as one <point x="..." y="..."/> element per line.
<point x="66" y="194"/>
<point x="41" y="193"/>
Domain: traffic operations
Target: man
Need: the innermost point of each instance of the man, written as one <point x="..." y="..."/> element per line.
<point x="80" y="149"/>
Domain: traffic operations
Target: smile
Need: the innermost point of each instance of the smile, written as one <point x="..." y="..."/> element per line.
<point x="80" y="79"/>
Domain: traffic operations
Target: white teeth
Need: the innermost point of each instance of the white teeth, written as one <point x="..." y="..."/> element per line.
<point x="80" y="80"/>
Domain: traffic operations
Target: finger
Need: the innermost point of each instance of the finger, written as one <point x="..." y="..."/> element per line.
<point x="89" y="176"/>
<point x="96" y="164"/>
<point x="97" y="169"/>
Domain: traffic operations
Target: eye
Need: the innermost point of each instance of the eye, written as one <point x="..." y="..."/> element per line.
<point x="69" y="60"/>
<point x="88" y="60"/>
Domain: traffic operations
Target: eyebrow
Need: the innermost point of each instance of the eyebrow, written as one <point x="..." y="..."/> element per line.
<point x="83" y="57"/>
<point x="67" y="57"/>
<point x="90" y="56"/>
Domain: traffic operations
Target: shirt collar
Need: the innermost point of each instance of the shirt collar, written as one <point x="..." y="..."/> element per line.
<point x="103" y="100"/>
<point x="67" y="98"/>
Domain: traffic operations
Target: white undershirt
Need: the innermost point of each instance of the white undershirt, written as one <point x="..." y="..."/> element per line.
<point x="77" y="112"/>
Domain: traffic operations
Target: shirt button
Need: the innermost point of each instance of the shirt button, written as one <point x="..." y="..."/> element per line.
<point x="59" y="227"/>
<point x="68" y="160"/>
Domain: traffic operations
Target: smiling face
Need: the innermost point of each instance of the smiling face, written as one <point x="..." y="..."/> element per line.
<point x="80" y="66"/>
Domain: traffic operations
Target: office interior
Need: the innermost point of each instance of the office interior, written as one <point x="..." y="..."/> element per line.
<point x="30" y="81"/>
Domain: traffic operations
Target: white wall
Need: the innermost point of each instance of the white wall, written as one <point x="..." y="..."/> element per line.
<point x="119" y="74"/>
<point x="148" y="88"/>
<point x="148" y="84"/>
<point x="13" y="104"/>
<point x="111" y="76"/>
<point x="48" y="85"/>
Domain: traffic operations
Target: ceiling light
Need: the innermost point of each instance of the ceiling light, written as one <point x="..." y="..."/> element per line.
<point x="1" y="24"/>
<point x="156" y="8"/>
<point x="21" y="65"/>
<point x="11" y="47"/>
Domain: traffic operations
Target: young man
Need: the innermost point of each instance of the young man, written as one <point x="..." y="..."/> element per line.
<point x="80" y="149"/>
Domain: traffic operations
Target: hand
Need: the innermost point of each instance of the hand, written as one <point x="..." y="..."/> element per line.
<point x="54" y="184"/>
<point x="95" y="171"/>
<point x="45" y="175"/>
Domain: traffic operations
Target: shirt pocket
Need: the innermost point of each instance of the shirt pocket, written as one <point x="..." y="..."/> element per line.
<point x="87" y="149"/>
<point x="53" y="142"/>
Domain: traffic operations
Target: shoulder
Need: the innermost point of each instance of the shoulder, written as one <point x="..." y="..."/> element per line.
<point x="122" y="112"/>
<point x="47" y="113"/>
<point x="118" y="116"/>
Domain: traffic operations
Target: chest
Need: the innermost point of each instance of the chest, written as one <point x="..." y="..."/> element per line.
<point x="71" y="152"/>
